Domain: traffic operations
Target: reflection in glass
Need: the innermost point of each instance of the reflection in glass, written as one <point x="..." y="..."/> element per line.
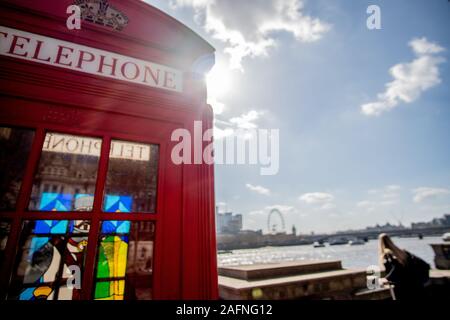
<point x="132" y="178"/>
<point x="47" y="249"/>
<point x="67" y="174"/>
<point x="140" y="261"/>
<point x="5" y="227"/>
<point x="125" y="260"/>
<point x="15" y="145"/>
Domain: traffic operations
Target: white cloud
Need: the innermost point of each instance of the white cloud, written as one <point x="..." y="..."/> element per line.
<point x="372" y="205"/>
<point x="193" y="3"/>
<point x="316" y="198"/>
<point x="422" y="47"/>
<point x="246" y="120"/>
<point x="391" y="192"/>
<point x="410" y="79"/>
<point x="383" y="197"/>
<point x="365" y="204"/>
<point x="258" y="189"/>
<point x="390" y="196"/>
<point x="222" y="133"/>
<point x="328" y="206"/>
<point x="424" y="193"/>
<point x="247" y="27"/>
<point x="283" y="208"/>
<point x="257" y="212"/>
<point x="217" y="106"/>
<point x="393" y="188"/>
<point x="240" y="126"/>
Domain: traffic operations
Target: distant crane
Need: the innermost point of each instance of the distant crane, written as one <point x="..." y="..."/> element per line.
<point x="399" y="218"/>
<point x="272" y="228"/>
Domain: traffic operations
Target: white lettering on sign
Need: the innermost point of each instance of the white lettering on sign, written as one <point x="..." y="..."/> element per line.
<point x="128" y="150"/>
<point x="63" y="143"/>
<point x="63" y="54"/>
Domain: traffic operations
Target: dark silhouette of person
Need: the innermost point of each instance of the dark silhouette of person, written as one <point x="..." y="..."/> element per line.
<point x="406" y="272"/>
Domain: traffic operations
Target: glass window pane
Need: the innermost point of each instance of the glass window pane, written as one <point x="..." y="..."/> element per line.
<point x="110" y="290"/>
<point x="50" y="260"/>
<point x="125" y="261"/>
<point x="112" y="256"/>
<point x="15" y="145"/>
<point x="5" y="227"/>
<point x="132" y="178"/>
<point x="140" y="261"/>
<point x="122" y="227"/>
<point x="66" y="174"/>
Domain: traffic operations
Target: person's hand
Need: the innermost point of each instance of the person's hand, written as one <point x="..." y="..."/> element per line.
<point x="384" y="282"/>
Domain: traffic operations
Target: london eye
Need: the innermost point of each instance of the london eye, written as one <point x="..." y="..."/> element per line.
<point x="273" y="227"/>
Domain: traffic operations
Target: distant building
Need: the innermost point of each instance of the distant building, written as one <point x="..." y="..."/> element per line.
<point x="436" y="222"/>
<point x="228" y="223"/>
<point x="386" y="228"/>
<point x="446" y="219"/>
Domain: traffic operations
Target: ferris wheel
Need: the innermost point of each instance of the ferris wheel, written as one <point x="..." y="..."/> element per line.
<point x="273" y="227"/>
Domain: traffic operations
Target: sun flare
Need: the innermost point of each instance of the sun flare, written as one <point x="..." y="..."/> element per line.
<point x="218" y="81"/>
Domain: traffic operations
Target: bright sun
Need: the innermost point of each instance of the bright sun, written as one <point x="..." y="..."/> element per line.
<point x="218" y="81"/>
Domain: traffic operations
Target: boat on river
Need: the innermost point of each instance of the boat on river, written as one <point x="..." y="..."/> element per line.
<point x="318" y="244"/>
<point x="446" y="236"/>
<point x="338" y="241"/>
<point x="356" y="242"/>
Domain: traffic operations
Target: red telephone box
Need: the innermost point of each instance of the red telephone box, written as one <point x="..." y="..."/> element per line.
<point x="91" y="204"/>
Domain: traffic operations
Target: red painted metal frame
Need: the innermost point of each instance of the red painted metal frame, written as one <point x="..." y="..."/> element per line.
<point x="46" y="98"/>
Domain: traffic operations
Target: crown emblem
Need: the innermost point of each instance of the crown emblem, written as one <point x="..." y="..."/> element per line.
<point x="102" y="13"/>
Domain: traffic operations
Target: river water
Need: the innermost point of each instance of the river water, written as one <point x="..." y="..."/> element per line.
<point x="360" y="256"/>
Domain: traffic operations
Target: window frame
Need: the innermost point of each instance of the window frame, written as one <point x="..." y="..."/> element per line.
<point x="96" y="216"/>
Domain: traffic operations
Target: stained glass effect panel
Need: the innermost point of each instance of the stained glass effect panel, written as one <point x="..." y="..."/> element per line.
<point x="112" y="257"/>
<point x="51" y="259"/>
<point x="110" y="290"/>
<point x="51" y="226"/>
<point x="125" y="261"/>
<point x="118" y="203"/>
<point x="113" y="226"/>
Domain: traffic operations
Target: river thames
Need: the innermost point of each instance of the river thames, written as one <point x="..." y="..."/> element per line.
<point x="358" y="256"/>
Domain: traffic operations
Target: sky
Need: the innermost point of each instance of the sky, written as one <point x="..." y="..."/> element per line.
<point x="363" y="114"/>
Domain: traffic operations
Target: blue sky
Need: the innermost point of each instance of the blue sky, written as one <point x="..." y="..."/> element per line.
<point x="308" y="68"/>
